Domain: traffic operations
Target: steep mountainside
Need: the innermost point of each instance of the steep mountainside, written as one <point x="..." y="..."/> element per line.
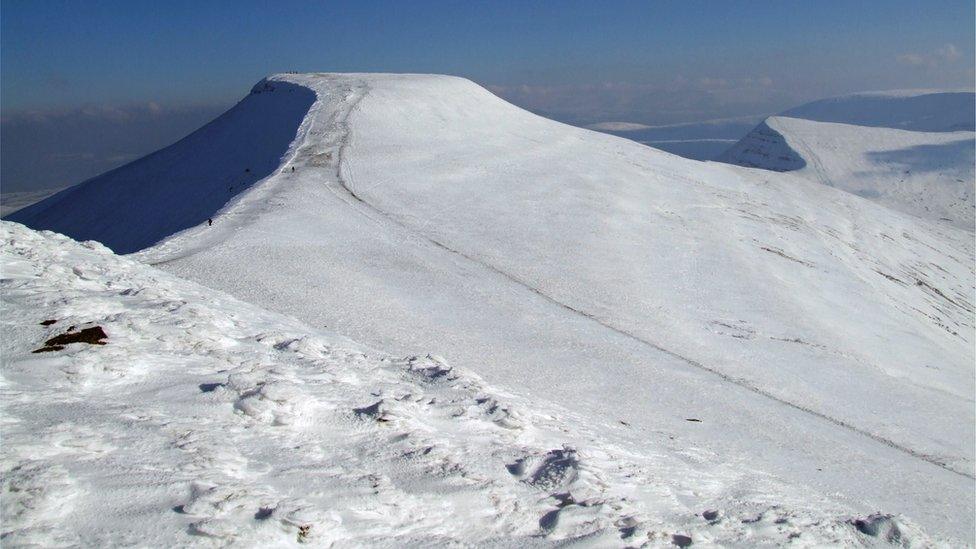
<point x="819" y="336"/>
<point x="183" y="185"/>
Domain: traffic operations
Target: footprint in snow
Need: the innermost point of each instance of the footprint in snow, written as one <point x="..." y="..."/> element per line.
<point x="881" y="526"/>
<point x="374" y="411"/>
<point x="556" y="470"/>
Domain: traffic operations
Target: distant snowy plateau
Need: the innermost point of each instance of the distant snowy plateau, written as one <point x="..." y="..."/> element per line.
<point x="422" y="316"/>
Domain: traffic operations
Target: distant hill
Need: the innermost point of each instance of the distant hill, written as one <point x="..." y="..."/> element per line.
<point x="686" y="309"/>
<point x="910" y="151"/>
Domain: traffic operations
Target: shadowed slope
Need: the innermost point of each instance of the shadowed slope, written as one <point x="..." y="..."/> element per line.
<point x="813" y="333"/>
<point x="184" y="184"/>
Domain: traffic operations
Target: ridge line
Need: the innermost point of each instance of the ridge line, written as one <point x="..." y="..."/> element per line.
<point x="343" y="143"/>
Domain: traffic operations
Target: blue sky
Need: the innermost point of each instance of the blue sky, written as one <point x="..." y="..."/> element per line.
<point x="582" y="62"/>
<point x="63" y="53"/>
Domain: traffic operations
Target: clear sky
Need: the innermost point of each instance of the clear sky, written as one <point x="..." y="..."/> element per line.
<point x="582" y="62"/>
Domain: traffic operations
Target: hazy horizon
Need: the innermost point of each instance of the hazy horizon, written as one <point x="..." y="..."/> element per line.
<point x="74" y="104"/>
<point x="488" y="273"/>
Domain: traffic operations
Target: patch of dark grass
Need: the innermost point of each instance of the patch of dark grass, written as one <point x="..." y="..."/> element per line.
<point x="92" y="336"/>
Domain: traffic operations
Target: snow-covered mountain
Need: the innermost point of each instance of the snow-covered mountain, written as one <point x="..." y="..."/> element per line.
<point x="184" y="184"/>
<point x="813" y="335"/>
<point x="200" y="417"/>
<point x="910" y="151"/>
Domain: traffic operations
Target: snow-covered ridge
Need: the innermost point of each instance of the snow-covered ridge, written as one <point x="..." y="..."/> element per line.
<point x="764" y="147"/>
<point x="911" y="150"/>
<point x="928" y="174"/>
<point x="184" y="184"/>
<point x="206" y="418"/>
<point x="817" y="336"/>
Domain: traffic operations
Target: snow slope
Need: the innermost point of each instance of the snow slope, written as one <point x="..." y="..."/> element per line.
<point x="927" y="174"/>
<point x="913" y="152"/>
<point x="205" y="419"/>
<point x="819" y="337"/>
<point x="184" y="184"/>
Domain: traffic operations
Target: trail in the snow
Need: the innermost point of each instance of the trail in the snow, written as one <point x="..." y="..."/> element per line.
<point x="337" y="134"/>
<point x="205" y="420"/>
<point x="344" y="137"/>
<point x="336" y="126"/>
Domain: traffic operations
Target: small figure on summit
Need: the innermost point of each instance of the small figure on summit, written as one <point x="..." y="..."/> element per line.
<point x="209" y="222"/>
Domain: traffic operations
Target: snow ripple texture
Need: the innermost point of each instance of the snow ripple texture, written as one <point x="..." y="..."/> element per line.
<point x="208" y="421"/>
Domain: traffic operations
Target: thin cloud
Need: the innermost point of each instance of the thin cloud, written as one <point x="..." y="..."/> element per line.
<point x="948" y="52"/>
<point x="942" y="56"/>
<point x="127" y="113"/>
<point x="912" y="59"/>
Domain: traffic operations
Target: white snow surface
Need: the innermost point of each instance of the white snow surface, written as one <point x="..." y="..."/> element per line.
<point x="910" y="150"/>
<point x="928" y="174"/>
<point x="204" y="420"/>
<point x="820" y="338"/>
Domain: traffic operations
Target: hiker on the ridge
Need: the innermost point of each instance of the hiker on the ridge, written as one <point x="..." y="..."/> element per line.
<point x="209" y="222"/>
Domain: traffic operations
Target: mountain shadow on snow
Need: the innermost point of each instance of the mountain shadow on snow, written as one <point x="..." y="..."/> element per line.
<point x="184" y="184"/>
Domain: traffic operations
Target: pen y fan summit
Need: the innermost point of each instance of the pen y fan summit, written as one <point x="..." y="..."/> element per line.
<point x="422" y="212"/>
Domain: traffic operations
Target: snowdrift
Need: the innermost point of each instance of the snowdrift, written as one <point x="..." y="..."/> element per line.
<point x="813" y="334"/>
<point x="913" y="152"/>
